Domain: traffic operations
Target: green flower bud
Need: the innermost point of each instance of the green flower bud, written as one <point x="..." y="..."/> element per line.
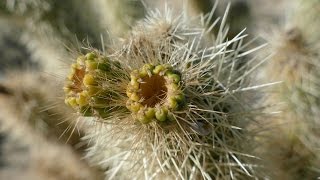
<point x="161" y="114"/>
<point x="91" y="56"/>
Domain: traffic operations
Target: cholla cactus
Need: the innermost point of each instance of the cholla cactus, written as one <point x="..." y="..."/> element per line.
<point x="41" y="141"/>
<point x="25" y="154"/>
<point x="32" y="98"/>
<point x="296" y="62"/>
<point x="119" y="16"/>
<point x="170" y="99"/>
<point x="46" y="24"/>
<point x="45" y="28"/>
<point x="181" y="104"/>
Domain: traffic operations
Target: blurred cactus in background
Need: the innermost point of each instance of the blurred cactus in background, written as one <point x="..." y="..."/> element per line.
<point x="295" y="61"/>
<point x="146" y="89"/>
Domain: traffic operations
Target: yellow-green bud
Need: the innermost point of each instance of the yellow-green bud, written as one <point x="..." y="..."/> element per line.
<point x="91" y="56"/>
<point x="159" y="68"/>
<point x="161" y="114"/>
<point x="146" y="70"/>
<point x="150" y="113"/>
<point x="175" y="78"/>
<point x="89" y="79"/>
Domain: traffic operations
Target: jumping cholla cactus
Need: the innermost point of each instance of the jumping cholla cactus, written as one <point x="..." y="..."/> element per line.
<point x="36" y="107"/>
<point x="176" y="98"/>
<point x="47" y="24"/>
<point x="38" y="141"/>
<point x="166" y="104"/>
<point x="296" y="62"/>
<point x="27" y="155"/>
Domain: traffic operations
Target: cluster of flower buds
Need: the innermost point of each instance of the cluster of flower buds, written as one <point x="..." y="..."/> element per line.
<point x="84" y="89"/>
<point x="154" y="92"/>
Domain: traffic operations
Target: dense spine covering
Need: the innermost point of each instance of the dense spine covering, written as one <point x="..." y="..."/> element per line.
<point x="294" y="151"/>
<point x="173" y="98"/>
<point x="198" y="127"/>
